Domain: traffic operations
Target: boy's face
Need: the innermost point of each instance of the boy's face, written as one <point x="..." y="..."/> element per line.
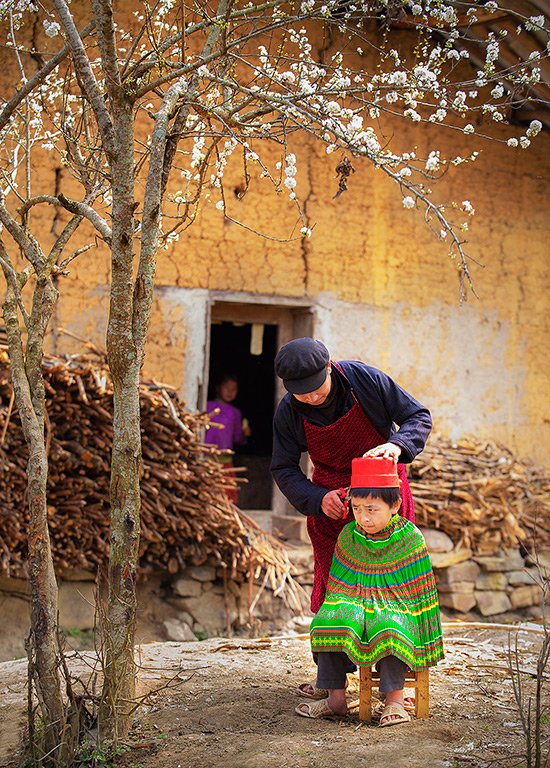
<point x="372" y="515"/>
<point x="227" y="391"/>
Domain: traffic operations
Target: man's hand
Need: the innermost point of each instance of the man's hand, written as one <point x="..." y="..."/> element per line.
<point x="386" y="451"/>
<point x="333" y="506"/>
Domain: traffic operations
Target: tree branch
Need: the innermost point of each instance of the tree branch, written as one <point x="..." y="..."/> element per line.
<point x="24" y="239"/>
<point x="87" y="212"/>
<point x="37" y="78"/>
<point x="103" y="14"/>
<point x="86" y="75"/>
<point x="15" y="282"/>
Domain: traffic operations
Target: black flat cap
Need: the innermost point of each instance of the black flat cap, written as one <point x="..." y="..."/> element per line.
<point x="302" y="365"/>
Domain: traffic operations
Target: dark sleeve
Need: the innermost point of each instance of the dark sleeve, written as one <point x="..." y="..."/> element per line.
<point x="387" y="404"/>
<point x="289" y="443"/>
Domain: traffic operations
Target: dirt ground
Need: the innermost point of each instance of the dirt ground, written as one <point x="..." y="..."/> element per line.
<point x="231" y="703"/>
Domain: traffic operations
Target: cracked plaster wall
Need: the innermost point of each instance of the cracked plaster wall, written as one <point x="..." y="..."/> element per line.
<point x="382" y="287"/>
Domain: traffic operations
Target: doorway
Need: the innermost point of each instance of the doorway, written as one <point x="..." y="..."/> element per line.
<point x="246" y="351"/>
<point x="244" y="338"/>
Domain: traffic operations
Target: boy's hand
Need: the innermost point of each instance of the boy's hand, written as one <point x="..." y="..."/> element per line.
<point x="386" y="451"/>
<point x="333" y="506"/>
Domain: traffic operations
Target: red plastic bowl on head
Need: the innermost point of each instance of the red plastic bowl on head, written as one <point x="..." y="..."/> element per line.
<point x="374" y="472"/>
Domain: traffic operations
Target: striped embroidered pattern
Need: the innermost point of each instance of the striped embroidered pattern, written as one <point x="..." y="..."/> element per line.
<point x="381" y="598"/>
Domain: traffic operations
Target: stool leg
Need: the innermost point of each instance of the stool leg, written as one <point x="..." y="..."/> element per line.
<point x="422" y="693"/>
<point x="365" y="694"/>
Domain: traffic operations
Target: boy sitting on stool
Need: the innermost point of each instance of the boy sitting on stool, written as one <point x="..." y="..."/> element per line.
<point x="381" y="602"/>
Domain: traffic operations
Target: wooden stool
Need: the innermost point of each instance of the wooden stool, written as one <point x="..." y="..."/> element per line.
<point x="418" y="679"/>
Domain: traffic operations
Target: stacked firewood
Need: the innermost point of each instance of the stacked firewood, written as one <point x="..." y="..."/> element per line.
<point x="481" y="495"/>
<point x="187" y="517"/>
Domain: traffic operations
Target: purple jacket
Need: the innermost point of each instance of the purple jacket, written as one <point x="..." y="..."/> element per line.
<point x="231" y="418"/>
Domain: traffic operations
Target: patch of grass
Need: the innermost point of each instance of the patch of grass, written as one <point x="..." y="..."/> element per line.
<point x="92" y="755"/>
<point x="84" y="637"/>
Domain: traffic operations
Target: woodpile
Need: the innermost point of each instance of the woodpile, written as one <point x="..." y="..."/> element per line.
<point x="481" y="495"/>
<point x="187" y="517"/>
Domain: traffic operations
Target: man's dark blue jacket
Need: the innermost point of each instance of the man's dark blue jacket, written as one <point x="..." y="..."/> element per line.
<point x="385" y="404"/>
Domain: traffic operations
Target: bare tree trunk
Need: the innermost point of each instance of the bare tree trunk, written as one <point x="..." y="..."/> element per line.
<point x="119" y="685"/>
<point x="125" y="359"/>
<point x="28" y="386"/>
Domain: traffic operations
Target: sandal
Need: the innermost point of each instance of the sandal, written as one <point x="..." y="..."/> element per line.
<point x="316" y="709"/>
<point x="379" y="706"/>
<point x="318" y="693"/>
<point x="396" y="712"/>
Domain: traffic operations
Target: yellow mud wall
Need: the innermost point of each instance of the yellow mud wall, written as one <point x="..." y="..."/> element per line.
<point x="382" y="287"/>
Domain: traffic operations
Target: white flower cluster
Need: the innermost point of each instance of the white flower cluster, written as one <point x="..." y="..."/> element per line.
<point x="17" y="9"/>
<point x="289" y="172"/>
<point x="197" y="154"/>
<point x="433" y="163"/>
<point x="52" y="28"/>
<point x="491" y="54"/>
<point x="535" y="23"/>
<point x="221" y="163"/>
<point x="534" y="129"/>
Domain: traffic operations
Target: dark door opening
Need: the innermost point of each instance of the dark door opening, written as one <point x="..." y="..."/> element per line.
<point x="246" y="351"/>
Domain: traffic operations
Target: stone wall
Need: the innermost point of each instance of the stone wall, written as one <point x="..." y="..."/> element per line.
<point x="502" y="583"/>
<point x="195" y="604"/>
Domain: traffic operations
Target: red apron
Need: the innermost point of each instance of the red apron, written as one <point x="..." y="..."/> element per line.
<point x="331" y="450"/>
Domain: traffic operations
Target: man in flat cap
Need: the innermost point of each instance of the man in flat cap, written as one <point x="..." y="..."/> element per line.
<point x="337" y="412"/>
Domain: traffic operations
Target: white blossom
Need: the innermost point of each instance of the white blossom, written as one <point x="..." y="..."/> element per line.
<point x="408" y="202"/>
<point x="288" y="77"/>
<point x="332" y="108"/>
<point x="439" y="114"/>
<point x="433" y="161"/>
<point x="535" y="23"/>
<point x="220" y="205"/>
<point x="524" y="142"/>
<point x="512" y="142"/>
<point x="535" y="128"/>
<point x="52" y="28"/>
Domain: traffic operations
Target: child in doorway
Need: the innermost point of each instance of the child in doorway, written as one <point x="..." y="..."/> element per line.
<point x="381" y="602"/>
<point x="234" y="429"/>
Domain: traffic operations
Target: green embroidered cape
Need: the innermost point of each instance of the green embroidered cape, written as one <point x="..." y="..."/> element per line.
<point x="381" y="598"/>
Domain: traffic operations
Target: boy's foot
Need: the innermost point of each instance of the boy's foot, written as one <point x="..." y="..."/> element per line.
<point x="310" y="690"/>
<point x="394" y="714"/>
<point x="318" y="709"/>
